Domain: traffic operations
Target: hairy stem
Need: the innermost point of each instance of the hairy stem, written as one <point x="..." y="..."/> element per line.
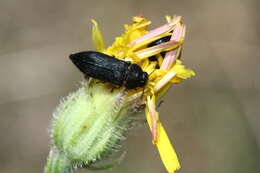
<point x="58" y="163"/>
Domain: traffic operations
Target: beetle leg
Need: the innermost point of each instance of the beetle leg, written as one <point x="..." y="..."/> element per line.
<point x="115" y="87"/>
<point x="159" y="104"/>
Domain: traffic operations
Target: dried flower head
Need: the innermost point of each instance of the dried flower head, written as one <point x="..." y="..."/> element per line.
<point x="89" y="123"/>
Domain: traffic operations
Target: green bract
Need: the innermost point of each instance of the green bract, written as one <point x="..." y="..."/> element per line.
<point x="88" y="125"/>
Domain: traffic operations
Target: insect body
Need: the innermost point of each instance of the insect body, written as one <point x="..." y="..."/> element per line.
<point x="157" y="42"/>
<point x="160" y="41"/>
<point x="109" y="69"/>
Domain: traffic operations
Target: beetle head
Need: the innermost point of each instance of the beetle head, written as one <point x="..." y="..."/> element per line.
<point x="135" y="77"/>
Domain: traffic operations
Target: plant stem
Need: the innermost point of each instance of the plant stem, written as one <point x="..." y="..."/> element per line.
<point x="58" y="163"/>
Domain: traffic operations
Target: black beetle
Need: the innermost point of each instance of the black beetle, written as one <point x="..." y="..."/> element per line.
<point x="109" y="69"/>
<point x="157" y="42"/>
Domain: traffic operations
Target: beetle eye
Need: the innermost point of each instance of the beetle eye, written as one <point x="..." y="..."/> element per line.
<point x="144" y="77"/>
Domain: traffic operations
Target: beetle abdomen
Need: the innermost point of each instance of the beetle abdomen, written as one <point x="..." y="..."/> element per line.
<point x="101" y="66"/>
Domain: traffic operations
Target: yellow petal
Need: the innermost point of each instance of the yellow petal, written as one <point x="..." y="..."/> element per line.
<point x="97" y="37"/>
<point x="164" y="146"/>
<point x="166" y="150"/>
<point x="181" y="71"/>
<point x="168" y="18"/>
<point x="156" y="32"/>
<point x="167" y="46"/>
<point x="149" y="40"/>
<point x="162" y="91"/>
<point x="164" y="80"/>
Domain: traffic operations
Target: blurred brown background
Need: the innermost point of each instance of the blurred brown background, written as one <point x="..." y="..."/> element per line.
<point x="213" y="118"/>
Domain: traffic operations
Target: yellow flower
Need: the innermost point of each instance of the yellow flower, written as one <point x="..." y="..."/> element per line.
<point x="132" y="46"/>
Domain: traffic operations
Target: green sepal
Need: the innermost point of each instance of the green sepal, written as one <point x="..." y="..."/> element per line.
<point x="90" y="123"/>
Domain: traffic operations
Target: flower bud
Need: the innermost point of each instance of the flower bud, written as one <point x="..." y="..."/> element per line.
<point x="90" y="123"/>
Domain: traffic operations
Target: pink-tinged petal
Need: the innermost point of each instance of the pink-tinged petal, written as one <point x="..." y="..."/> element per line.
<point x="158" y="31"/>
<point x="177" y="34"/>
<point x="163" y="143"/>
<point x="145" y="53"/>
<point x="145" y="24"/>
<point x="166" y="78"/>
<point x="153" y="116"/>
<point x="168" y="60"/>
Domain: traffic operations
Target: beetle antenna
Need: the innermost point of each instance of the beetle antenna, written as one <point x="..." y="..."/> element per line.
<point x="142" y="93"/>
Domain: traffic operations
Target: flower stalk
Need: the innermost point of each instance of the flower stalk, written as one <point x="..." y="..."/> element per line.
<point x="58" y="163"/>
